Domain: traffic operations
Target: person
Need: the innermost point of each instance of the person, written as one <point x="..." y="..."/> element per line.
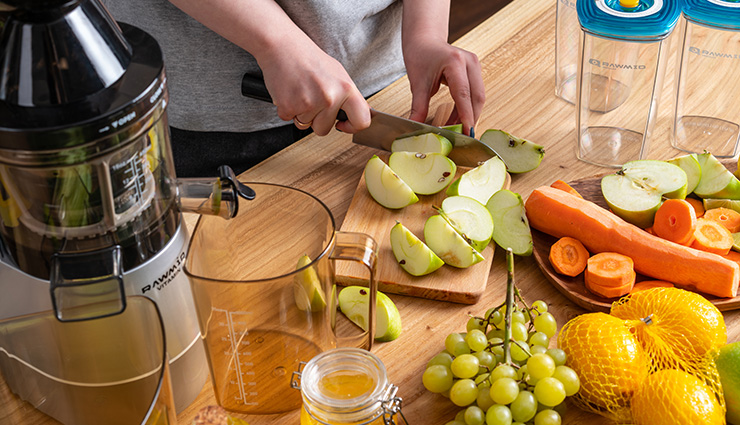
<point x="316" y="57"/>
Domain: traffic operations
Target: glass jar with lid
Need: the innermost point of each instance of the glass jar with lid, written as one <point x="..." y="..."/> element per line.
<point x="347" y="386"/>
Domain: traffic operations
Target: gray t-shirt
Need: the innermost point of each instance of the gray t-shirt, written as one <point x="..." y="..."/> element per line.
<point x="205" y="70"/>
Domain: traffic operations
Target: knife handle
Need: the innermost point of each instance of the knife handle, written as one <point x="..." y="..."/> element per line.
<point x="254" y="87"/>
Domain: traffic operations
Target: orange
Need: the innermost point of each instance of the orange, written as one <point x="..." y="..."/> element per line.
<point x="674" y="397"/>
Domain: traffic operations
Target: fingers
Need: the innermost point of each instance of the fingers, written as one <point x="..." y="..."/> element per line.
<point x="467" y="90"/>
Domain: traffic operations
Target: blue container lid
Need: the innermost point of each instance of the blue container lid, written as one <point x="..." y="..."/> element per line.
<point x="651" y="20"/>
<point x="724" y="14"/>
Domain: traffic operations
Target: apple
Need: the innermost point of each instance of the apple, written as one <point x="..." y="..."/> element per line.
<point x="690" y="165"/>
<point x="386" y="187"/>
<point x="716" y="180"/>
<point x="635" y="192"/>
<point x="457" y="128"/>
<point x="470" y="219"/>
<point x="411" y="253"/>
<point x="354" y="301"/>
<point x="520" y="155"/>
<point x="425" y="173"/>
<point x="307" y="287"/>
<point x="510" y="224"/>
<point x="711" y="203"/>
<point x="425" y="143"/>
<point x="481" y="182"/>
<point x="452" y="248"/>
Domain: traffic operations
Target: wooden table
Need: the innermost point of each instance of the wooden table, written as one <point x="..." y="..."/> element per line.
<point x="516" y="48"/>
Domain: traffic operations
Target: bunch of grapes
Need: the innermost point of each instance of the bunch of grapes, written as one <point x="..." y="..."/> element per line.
<point x="501" y="370"/>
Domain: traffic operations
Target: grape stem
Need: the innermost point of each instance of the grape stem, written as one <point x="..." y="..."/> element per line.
<point x="509" y="304"/>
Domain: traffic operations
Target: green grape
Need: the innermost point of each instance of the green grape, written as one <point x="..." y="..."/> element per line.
<point x="497" y="318"/>
<point x="503" y="371"/>
<point x="498" y="415"/>
<point x="540" y="306"/>
<point x="549" y="391"/>
<point x="569" y="378"/>
<point x="521" y="373"/>
<point x="460" y="416"/>
<point x="486" y="360"/>
<point x="461" y="348"/>
<point x="517" y="423"/>
<point x="452" y="340"/>
<point x="517" y="352"/>
<point x="546" y="323"/>
<point x="444" y="358"/>
<point x="437" y="378"/>
<point x="547" y="417"/>
<point x="476" y="340"/>
<point x="475" y="323"/>
<point x="519" y="331"/>
<point x="495" y="333"/>
<point x="539" y="366"/>
<point x="518" y="317"/>
<point x="524" y="407"/>
<point x="537" y="349"/>
<point x="455" y="423"/>
<point x="504" y="390"/>
<point x="474" y="415"/>
<point x="539" y="338"/>
<point x="484" y="400"/>
<point x="558" y="355"/>
<point x="465" y="366"/>
<point x="482" y="380"/>
<point x="464" y="392"/>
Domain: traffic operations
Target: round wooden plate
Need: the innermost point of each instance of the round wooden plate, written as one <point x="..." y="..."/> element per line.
<point x="573" y="287"/>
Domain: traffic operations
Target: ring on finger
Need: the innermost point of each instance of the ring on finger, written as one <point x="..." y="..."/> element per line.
<point x="300" y="124"/>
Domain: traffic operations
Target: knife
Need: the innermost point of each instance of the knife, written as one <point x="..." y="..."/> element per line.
<point x="385" y="128"/>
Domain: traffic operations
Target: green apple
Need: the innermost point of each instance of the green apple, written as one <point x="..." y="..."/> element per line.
<point x="711" y="203"/>
<point x="728" y="366"/>
<point x="690" y="165"/>
<point x="470" y="218"/>
<point x="510" y="224"/>
<point x="716" y="180"/>
<point x="411" y="253"/>
<point x="354" y="301"/>
<point x="520" y="155"/>
<point x="425" y="143"/>
<point x="457" y="128"/>
<point x="635" y="192"/>
<point x="481" y="182"/>
<point x="736" y="241"/>
<point x="449" y="245"/>
<point x="307" y="287"/>
<point x="386" y="187"/>
<point x="425" y="173"/>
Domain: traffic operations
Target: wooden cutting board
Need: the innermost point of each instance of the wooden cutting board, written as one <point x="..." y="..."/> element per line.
<point x="445" y="284"/>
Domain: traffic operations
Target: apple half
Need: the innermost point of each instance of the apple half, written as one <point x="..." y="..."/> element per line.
<point x="690" y="165"/>
<point x="510" y="224"/>
<point x="481" y="182"/>
<point x="354" y="301"/>
<point x="307" y="287"/>
<point x="470" y="218"/>
<point x="425" y="173"/>
<point x="716" y="180"/>
<point x="413" y="255"/>
<point x="425" y="143"/>
<point x="520" y="155"/>
<point x="448" y="244"/>
<point x="386" y="187"/>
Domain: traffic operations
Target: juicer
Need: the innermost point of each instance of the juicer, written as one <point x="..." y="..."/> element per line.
<point x="86" y="166"/>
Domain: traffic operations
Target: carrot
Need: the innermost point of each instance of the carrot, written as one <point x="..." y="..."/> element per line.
<point x="710" y="236"/>
<point x="556" y="213"/>
<point x="559" y="184"/>
<point x="568" y="256"/>
<point x="650" y="230"/>
<point x="698" y="206"/>
<point x="733" y="256"/>
<point x="610" y="269"/>
<point x="726" y="217"/>
<point x="648" y="284"/>
<point x="609" y="291"/>
<point x="675" y="220"/>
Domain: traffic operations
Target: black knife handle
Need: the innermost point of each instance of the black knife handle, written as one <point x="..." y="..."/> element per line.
<point x="254" y="87"/>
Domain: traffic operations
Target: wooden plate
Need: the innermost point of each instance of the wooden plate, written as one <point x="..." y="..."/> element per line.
<point x="573" y="287"/>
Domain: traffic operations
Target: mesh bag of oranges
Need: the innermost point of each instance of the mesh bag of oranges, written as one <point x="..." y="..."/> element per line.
<point x="651" y="360"/>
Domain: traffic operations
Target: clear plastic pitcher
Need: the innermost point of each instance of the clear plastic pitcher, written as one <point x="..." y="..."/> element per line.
<point x="266" y="297"/>
<point x="620" y="74"/>
<point x="567" y="36"/>
<point x="707" y="114"/>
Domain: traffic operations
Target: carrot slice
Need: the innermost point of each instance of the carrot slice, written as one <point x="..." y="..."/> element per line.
<point x="610" y="269"/>
<point x="710" y="236"/>
<point x="726" y="217"/>
<point x="698" y="206"/>
<point x="648" y="284"/>
<point x="568" y="256"/>
<point x="650" y="230"/>
<point x="675" y="221"/>
<point x="559" y="184"/>
<point x="609" y="291"/>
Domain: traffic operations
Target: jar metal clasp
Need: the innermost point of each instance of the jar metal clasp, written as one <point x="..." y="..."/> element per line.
<point x="392" y="406"/>
<point x="295" y="380"/>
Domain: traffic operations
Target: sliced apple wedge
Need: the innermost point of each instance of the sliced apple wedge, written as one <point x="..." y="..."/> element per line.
<point x="481" y="182"/>
<point x="386" y="187"/>
<point x="716" y="180"/>
<point x="452" y="248"/>
<point x="510" y="225"/>
<point x="425" y="173"/>
<point x="425" y="143"/>
<point x="690" y="165"/>
<point x="520" y="155"/>
<point x="457" y="128"/>
<point x="470" y="218"/>
<point x="307" y="287"/>
<point x="353" y="302"/>
<point x="412" y="254"/>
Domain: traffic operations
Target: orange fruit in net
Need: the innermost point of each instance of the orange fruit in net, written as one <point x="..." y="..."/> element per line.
<point x="674" y="397"/>
<point x="607" y="358"/>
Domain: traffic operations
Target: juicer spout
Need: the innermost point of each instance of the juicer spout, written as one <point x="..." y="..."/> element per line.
<point x="213" y="195"/>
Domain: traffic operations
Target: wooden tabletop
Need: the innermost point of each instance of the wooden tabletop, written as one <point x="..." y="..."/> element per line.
<point x="516" y="48"/>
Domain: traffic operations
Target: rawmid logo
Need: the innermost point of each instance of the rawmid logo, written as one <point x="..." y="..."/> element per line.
<point x="711" y="54"/>
<point x="615" y="66"/>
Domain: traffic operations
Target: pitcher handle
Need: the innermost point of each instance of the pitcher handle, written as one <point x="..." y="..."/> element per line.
<point x="363" y="249"/>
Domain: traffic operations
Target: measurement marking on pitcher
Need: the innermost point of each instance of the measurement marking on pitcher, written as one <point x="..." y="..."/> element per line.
<point x="237" y="344"/>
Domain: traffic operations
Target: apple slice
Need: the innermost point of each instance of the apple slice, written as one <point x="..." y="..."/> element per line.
<point x="386" y="187"/>
<point x="470" y="218"/>
<point x="716" y="180"/>
<point x="457" y="128"/>
<point x="690" y="165"/>
<point x="452" y="248"/>
<point x="520" y="155"/>
<point x="425" y="143"/>
<point x="635" y="192"/>
<point x="711" y="203"/>
<point x="411" y="253"/>
<point x="510" y="224"/>
<point x="307" y="287"/>
<point x="481" y="182"/>
<point x="353" y="302"/>
<point x="425" y="173"/>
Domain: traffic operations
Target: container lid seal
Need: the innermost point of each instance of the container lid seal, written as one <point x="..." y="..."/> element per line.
<point x="723" y="14"/>
<point x="651" y="20"/>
